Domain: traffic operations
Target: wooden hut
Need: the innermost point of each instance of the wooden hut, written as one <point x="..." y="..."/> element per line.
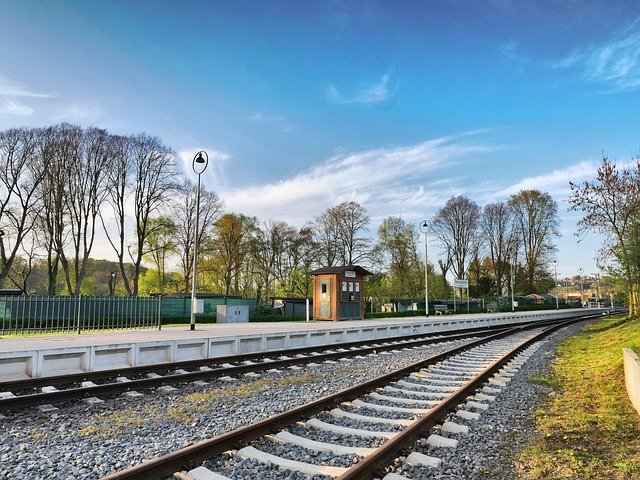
<point x="338" y="293"/>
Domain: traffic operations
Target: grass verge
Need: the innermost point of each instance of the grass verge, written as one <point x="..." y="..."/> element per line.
<point x="588" y="428"/>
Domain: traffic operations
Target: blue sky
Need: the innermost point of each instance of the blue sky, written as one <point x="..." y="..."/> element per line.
<point x="398" y="105"/>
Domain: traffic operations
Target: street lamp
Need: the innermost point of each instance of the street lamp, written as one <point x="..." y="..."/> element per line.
<point x="112" y="283"/>
<point x="581" y="287"/>
<point x="424" y="228"/>
<point x="199" y="165"/>
<point x="598" y="288"/>
<point x="513" y="281"/>
<point x="555" y="272"/>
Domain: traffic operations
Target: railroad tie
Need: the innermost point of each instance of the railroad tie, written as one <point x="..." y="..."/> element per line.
<point x="467" y="415"/>
<point x="283" y="463"/>
<point x="421" y="460"/>
<point x="339" y="413"/>
<point x="203" y="473"/>
<point x="290" y="438"/>
<point x="443" y="442"/>
<point x="387" y="408"/>
<point x="452" y="427"/>
<point x="356" y="432"/>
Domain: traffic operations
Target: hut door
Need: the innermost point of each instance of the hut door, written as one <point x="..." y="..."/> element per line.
<point x="325" y="299"/>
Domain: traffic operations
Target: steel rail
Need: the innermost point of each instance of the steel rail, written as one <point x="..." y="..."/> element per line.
<point x="393" y="343"/>
<point x="370" y="465"/>
<point x="23" y="401"/>
<point x="191" y="456"/>
<point x="427" y="338"/>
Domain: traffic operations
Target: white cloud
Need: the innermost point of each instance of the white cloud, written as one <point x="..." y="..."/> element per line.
<point x="370" y="95"/>
<point x="386" y="181"/>
<point x="556" y="183"/>
<point x="12" y="107"/>
<point x="616" y="62"/>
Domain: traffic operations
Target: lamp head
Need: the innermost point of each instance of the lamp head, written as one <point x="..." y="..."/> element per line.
<point x="200" y="162"/>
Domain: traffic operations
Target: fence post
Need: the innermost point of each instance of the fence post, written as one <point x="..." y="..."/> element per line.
<point x="160" y="312"/>
<point x="79" y="304"/>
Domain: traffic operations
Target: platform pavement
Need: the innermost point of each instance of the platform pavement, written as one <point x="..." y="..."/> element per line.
<point x="183" y="332"/>
<point x="40" y="356"/>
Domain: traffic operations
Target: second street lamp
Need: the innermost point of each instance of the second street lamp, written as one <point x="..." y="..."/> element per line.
<point x="424" y="227"/>
<point x="199" y="165"/>
<point x="555" y="272"/>
<point x="581" y="288"/>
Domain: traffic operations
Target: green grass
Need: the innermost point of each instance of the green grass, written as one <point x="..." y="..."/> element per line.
<point x="588" y="429"/>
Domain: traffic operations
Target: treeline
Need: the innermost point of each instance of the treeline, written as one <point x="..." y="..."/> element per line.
<point x="62" y="184"/>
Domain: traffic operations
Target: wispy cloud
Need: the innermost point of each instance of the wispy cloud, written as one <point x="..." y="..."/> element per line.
<point x="556" y="183"/>
<point x="379" y="92"/>
<point x="386" y="181"/>
<point x="279" y="121"/>
<point x="616" y="62"/>
<point x="10" y="91"/>
<point x="260" y="117"/>
<point x="9" y="88"/>
<point x="12" y="107"/>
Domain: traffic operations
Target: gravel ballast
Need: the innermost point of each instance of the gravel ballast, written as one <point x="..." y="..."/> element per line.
<point x="87" y="442"/>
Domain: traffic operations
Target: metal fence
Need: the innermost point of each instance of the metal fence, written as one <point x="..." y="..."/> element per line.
<point x="40" y="314"/>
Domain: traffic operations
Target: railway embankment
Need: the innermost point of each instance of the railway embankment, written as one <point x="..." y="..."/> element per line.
<point x="587" y="428"/>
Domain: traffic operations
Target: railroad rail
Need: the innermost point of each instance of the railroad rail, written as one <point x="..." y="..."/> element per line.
<point x="48" y="391"/>
<point x="20" y="393"/>
<point x="423" y="393"/>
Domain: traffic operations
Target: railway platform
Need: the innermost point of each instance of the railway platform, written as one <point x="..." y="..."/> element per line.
<point x="48" y="355"/>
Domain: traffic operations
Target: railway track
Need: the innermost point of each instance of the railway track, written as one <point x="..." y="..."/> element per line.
<point x="362" y="432"/>
<point x="89" y="385"/>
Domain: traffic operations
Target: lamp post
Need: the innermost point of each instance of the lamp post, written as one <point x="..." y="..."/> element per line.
<point x="112" y="283"/>
<point x="199" y="165"/>
<point x="424" y="228"/>
<point x="555" y="273"/>
<point x="581" y="287"/>
<point x="513" y="305"/>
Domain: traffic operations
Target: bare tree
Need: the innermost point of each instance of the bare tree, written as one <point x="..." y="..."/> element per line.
<point x="353" y="223"/>
<point x="269" y="250"/>
<point x="338" y="234"/>
<point x="456" y="227"/>
<point x="536" y="217"/>
<point x="87" y="169"/>
<point x="295" y="271"/>
<point x="184" y="211"/>
<point x="53" y="221"/>
<point x="501" y="236"/>
<point x="119" y="180"/>
<point x="611" y="204"/>
<point x="144" y="169"/>
<point x="22" y="170"/>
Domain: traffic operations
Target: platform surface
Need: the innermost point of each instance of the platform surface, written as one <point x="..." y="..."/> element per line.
<point x="211" y="330"/>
